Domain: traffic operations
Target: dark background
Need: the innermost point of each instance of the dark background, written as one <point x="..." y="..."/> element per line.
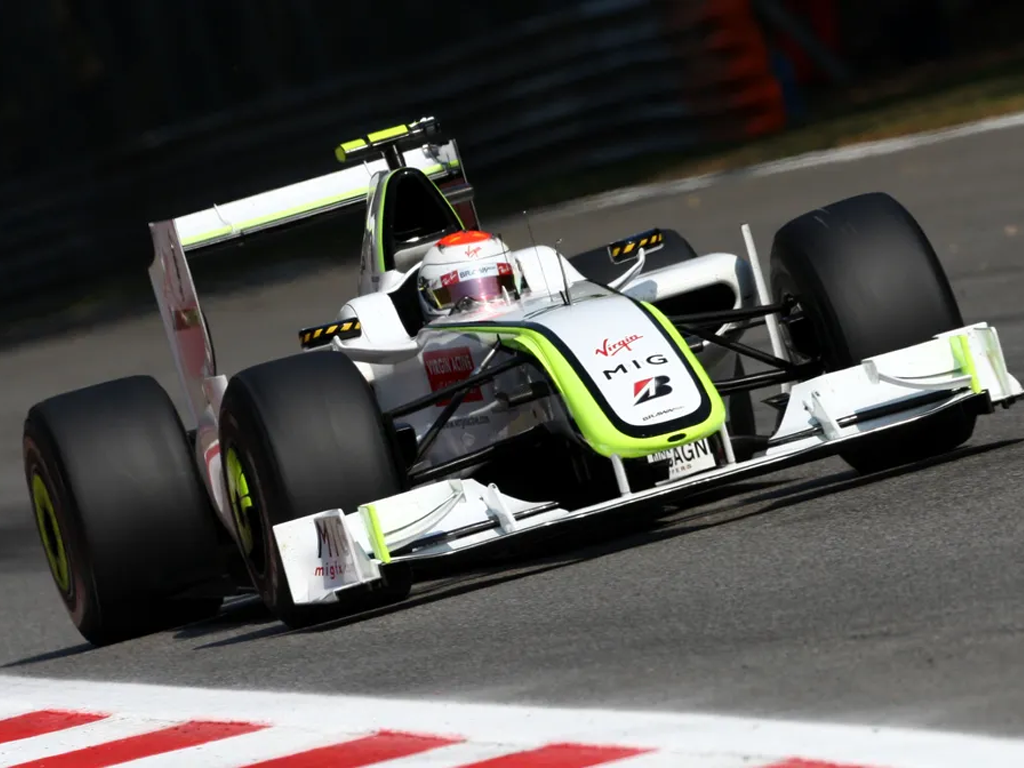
<point x="114" y="113"/>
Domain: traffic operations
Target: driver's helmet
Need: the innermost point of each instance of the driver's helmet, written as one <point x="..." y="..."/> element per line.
<point x="466" y="269"/>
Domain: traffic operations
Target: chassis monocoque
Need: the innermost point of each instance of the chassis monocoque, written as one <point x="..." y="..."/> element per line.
<point x="324" y="479"/>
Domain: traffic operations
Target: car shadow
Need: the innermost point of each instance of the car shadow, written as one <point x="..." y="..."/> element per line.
<point x="39" y="658"/>
<point x="819" y="487"/>
<point x="466" y="574"/>
<point x="589" y="540"/>
<point x="423" y="593"/>
<point x="653" y="525"/>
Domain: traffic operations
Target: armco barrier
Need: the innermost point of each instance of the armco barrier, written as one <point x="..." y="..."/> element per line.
<point x="577" y="86"/>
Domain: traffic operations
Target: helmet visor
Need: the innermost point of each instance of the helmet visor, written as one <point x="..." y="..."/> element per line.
<point x="493" y="287"/>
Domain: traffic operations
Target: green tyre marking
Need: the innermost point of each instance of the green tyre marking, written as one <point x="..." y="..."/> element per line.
<point x="241" y="501"/>
<point x="49" y="532"/>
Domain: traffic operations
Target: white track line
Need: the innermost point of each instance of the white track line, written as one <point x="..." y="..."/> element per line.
<point x="78" y="737"/>
<point x="302" y="719"/>
<point x="851" y="153"/>
<point x="237" y="750"/>
<point x="280" y="742"/>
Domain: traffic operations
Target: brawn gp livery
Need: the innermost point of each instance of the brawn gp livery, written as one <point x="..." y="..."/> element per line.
<point x="614" y="381"/>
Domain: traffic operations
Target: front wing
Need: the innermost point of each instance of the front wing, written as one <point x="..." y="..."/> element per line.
<point x="326" y="553"/>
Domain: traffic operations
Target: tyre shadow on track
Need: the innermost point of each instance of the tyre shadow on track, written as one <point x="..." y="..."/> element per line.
<point x="423" y="594"/>
<point x="827" y="485"/>
<point x="588" y="541"/>
<point x="39" y="658"/>
<point x="651" y="525"/>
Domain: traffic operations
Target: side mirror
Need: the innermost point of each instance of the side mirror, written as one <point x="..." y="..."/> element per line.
<point x="629" y="274"/>
<point x="377" y="353"/>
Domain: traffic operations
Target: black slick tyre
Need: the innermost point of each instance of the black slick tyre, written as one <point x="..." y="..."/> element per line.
<point x="123" y="517"/>
<point x="868" y="281"/>
<point x="301" y="435"/>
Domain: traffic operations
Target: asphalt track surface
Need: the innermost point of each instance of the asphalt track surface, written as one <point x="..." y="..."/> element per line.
<point x="812" y="593"/>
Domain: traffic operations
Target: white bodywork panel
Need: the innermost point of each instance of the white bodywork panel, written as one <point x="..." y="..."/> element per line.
<point x="633" y="371"/>
<point x="640" y="373"/>
<point x="609" y="334"/>
<point x="192" y="350"/>
<point x="891" y="378"/>
<point x="618" y="347"/>
<point x="450" y="516"/>
<point x="403" y="368"/>
<point x="400" y="367"/>
<point x="712" y="269"/>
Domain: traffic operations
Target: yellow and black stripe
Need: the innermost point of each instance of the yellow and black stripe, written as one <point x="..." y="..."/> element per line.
<point x="320" y="335"/>
<point x="624" y="249"/>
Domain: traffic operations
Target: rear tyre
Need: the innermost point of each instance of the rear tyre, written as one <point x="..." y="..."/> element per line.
<point x="122" y="514"/>
<point x="301" y="435"/>
<point x="868" y="281"/>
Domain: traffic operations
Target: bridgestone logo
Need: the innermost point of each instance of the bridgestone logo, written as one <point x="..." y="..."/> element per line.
<point x="648" y="389"/>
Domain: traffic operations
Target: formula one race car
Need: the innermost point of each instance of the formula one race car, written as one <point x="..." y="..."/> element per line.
<point x="391" y="440"/>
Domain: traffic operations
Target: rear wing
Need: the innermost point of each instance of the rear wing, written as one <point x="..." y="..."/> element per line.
<point x="420" y="144"/>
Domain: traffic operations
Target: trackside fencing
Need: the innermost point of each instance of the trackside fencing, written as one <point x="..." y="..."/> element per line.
<point x="571" y="86"/>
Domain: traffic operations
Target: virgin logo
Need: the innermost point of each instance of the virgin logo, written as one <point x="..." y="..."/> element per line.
<point x="610" y="348"/>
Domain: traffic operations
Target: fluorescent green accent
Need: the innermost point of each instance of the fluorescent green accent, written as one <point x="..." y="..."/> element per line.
<point x="347" y="196"/>
<point x="380" y="547"/>
<point x="717" y="416"/>
<point x="241" y="501"/>
<point x="341" y="153"/>
<point x="378" y="223"/>
<point x="56" y="555"/>
<point x="210" y="235"/>
<point x="594" y="424"/>
<point x="962" y="354"/>
<point x="387" y="133"/>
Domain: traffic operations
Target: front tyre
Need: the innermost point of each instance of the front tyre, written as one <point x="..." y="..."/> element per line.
<point x="868" y="281"/>
<point x="301" y="435"/>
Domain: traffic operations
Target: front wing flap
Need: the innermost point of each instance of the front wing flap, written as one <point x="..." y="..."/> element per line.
<point x="335" y="550"/>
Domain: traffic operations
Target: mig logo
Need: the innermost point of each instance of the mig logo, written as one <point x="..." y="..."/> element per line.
<point x="648" y="389"/>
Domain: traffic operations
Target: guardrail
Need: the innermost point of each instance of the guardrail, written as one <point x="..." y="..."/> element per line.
<point x="579" y="85"/>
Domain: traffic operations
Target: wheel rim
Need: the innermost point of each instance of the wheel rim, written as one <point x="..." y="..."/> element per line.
<point x="244" y="507"/>
<point x="49" y="532"/>
<point x="797" y="329"/>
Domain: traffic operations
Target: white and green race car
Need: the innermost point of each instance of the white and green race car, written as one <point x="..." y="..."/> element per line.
<point x="324" y="480"/>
